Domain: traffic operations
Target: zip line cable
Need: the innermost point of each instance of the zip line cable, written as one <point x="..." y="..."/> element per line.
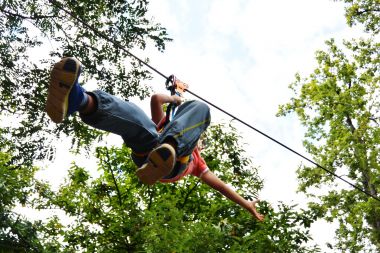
<point x="121" y="47"/>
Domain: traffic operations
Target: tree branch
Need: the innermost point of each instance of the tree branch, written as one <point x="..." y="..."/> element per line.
<point x="374" y="120"/>
<point x="114" y="179"/>
<point x="34" y="17"/>
<point x="367" y="10"/>
<point x="350" y="124"/>
<point x="151" y="195"/>
<point x="366" y="179"/>
<point x="188" y="194"/>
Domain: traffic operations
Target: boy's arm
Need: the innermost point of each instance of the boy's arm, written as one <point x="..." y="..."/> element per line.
<point x="156" y="102"/>
<point x="213" y="181"/>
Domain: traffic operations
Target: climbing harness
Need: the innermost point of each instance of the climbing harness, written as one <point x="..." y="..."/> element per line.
<point x="176" y="88"/>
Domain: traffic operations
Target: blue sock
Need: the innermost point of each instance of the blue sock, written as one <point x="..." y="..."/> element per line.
<point x="77" y="99"/>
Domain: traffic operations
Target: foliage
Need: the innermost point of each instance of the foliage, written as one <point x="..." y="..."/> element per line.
<point x="366" y="12"/>
<point x="116" y="213"/>
<point x="16" y="185"/>
<point x="31" y="29"/>
<point x="339" y="105"/>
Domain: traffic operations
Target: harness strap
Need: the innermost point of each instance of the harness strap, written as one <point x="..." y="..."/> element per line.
<point x="177" y="88"/>
<point x="183" y="159"/>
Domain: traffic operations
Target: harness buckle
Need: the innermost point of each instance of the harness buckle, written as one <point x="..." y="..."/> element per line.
<point x="177" y="87"/>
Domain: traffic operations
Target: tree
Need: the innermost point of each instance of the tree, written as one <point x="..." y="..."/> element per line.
<point x="366" y="12"/>
<point x="116" y="213"/>
<point x="61" y="28"/>
<point x="339" y="105"/>
<point x="55" y="29"/>
<point x="17" y="234"/>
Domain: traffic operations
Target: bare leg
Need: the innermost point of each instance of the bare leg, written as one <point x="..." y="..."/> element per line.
<point x="90" y="107"/>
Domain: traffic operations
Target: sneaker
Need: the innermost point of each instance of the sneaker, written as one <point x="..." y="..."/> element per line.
<point x="160" y="163"/>
<point x="62" y="98"/>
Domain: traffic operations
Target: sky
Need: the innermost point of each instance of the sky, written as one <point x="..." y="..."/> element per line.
<point x="242" y="55"/>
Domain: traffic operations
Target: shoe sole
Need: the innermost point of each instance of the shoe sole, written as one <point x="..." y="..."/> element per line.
<point x="160" y="163"/>
<point x="62" y="79"/>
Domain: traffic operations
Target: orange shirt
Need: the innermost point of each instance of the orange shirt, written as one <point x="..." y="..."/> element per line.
<point x="197" y="167"/>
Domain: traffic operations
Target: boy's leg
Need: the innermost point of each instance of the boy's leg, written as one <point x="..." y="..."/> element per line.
<point x="138" y="132"/>
<point x="61" y="101"/>
<point x="190" y="121"/>
<point x="160" y="163"/>
<point x="66" y="96"/>
<point x="111" y="114"/>
<point x="123" y="118"/>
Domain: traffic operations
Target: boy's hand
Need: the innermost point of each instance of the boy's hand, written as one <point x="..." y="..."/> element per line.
<point x="176" y="99"/>
<point x="254" y="212"/>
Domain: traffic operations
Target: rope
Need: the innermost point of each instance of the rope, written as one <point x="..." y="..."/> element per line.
<point x="118" y="45"/>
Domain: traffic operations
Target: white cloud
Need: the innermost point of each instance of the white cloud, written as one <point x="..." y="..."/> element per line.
<point x="222" y="16"/>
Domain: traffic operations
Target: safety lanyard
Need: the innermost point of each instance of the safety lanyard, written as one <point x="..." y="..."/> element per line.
<point x="177" y="88"/>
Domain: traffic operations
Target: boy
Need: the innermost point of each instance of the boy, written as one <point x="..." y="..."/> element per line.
<point x="163" y="152"/>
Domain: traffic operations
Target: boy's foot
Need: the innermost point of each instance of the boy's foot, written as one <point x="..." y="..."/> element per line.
<point x="160" y="163"/>
<point x="64" y="76"/>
